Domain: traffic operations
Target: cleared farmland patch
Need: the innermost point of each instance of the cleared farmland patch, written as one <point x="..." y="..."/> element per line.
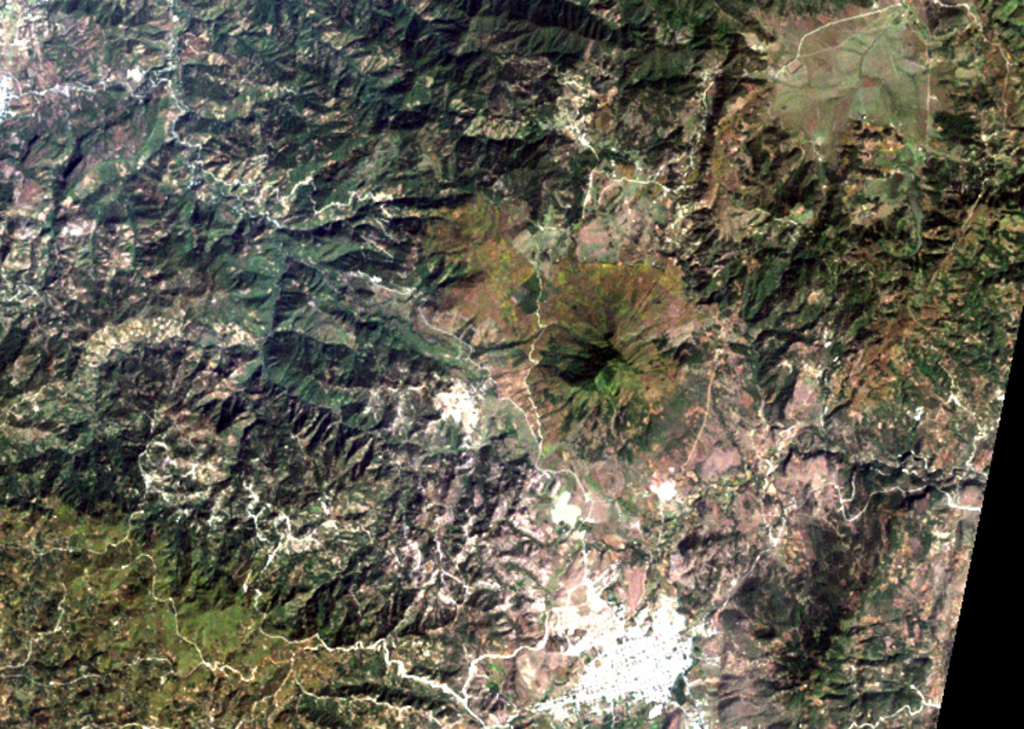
<point x="873" y="64"/>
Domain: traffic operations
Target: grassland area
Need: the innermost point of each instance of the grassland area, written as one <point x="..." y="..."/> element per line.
<point x="872" y="65"/>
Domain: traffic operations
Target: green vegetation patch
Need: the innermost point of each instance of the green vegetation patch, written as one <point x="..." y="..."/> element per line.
<point x="871" y="64"/>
